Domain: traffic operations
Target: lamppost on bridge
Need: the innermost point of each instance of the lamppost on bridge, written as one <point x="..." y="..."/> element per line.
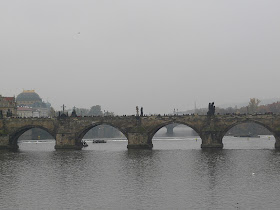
<point x="63" y="108"/>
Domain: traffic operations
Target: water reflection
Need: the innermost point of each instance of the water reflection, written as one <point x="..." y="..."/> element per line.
<point x="109" y="176"/>
<point x="264" y="142"/>
<point x="140" y="168"/>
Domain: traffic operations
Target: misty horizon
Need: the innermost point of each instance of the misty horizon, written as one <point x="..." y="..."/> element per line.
<point x="157" y="54"/>
<point x="205" y="106"/>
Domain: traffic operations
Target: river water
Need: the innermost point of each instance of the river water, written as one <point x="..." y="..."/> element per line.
<point x="176" y="174"/>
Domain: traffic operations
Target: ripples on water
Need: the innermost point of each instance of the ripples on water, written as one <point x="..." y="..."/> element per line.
<point x="176" y="174"/>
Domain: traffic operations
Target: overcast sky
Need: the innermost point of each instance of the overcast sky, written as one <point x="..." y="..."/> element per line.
<point x="159" y="54"/>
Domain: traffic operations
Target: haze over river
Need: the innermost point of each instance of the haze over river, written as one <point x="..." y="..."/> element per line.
<point x="176" y="174"/>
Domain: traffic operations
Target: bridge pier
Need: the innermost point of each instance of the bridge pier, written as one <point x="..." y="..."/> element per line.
<point x="277" y="140"/>
<point x="5" y="142"/>
<point x="211" y="139"/>
<point x="66" y="141"/>
<point x="170" y="128"/>
<point x="139" y="141"/>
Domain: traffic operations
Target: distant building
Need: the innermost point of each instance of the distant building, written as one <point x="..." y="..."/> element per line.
<point x="24" y="111"/>
<point x="27" y="100"/>
<point x="8" y="106"/>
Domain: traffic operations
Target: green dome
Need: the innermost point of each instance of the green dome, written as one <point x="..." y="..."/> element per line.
<point x="28" y="96"/>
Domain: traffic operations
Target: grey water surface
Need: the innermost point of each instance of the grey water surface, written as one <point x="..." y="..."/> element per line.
<point x="176" y="174"/>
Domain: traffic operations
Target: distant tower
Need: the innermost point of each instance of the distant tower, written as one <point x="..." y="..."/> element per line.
<point x="195" y="107"/>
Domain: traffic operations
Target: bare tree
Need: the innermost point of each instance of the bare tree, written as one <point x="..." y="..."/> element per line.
<point x="253" y="105"/>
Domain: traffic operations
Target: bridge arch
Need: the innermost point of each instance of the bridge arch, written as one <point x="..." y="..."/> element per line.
<point x="13" y="139"/>
<point x="158" y="127"/>
<point x="84" y="130"/>
<point x="247" y="121"/>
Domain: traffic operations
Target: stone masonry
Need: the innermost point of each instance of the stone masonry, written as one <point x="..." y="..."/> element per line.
<point x="139" y="130"/>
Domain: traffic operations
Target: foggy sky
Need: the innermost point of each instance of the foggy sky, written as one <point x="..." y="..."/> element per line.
<point x="159" y="54"/>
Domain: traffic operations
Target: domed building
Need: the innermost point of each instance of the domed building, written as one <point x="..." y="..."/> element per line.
<point x="31" y="105"/>
<point x="28" y="98"/>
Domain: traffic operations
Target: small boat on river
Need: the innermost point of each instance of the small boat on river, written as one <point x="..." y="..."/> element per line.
<point x="248" y="136"/>
<point x="84" y="144"/>
<point x="98" y="141"/>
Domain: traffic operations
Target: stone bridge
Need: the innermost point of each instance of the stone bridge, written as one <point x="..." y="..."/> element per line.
<point x="139" y="131"/>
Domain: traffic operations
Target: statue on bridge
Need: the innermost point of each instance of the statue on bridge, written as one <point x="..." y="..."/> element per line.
<point x="137" y="111"/>
<point x="74" y="114"/>
<point x="63" y="114"/>
<point x="141" y="112"/>
<point x="211" y="109"/>
<point x="9" y="113"/>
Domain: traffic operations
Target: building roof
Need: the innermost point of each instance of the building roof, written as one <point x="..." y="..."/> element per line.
<point x="28" y="95"/>
<point x="21" y="108"/>
<point x="9" y="99"/>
